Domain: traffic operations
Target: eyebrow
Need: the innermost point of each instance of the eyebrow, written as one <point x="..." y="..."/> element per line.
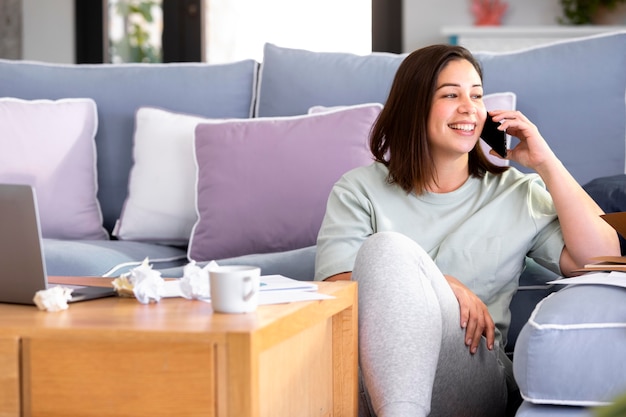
<point x="455" y="85"/>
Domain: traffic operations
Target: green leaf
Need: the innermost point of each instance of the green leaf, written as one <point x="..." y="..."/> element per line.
<point x="617" y="409"/>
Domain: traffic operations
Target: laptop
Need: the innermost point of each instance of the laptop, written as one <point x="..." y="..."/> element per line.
<point x="22" y="264"/>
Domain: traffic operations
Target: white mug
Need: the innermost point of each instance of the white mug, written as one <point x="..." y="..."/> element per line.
<point x="235" y="288"/>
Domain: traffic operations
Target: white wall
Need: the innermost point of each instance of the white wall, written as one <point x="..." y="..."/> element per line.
<point x="423" y="19"/>
<point x="48" y="30"/>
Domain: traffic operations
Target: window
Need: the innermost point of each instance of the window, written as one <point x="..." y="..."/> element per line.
<point x="134" y="31"/>
<point x="237" y="30"/>
<point x="226" y="30"/>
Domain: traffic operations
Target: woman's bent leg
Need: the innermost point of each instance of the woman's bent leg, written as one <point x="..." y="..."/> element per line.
<point x="410" y="338"/>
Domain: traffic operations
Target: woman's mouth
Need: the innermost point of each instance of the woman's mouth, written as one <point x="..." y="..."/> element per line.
<point x="465" y="127"/>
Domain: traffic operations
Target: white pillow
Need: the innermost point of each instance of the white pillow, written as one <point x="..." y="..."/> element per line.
<point x="160" y="206"/>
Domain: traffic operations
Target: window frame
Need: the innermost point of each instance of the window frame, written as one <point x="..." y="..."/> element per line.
<point x="182" y="29"/>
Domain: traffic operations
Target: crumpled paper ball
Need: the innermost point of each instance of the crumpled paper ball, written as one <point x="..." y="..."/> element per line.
<point x="53" y="299"/>
<point x="195" y="281"/>
<point x="146" y="283"/>
<point x="123" y="287"/>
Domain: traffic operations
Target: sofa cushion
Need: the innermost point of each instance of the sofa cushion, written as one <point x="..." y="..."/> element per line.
<point x="106" y="258"/>
<point x="532" y="289"/>
<point x="50" y="145"/>
<point x="224" y="90"/>
<point x="293" y="80"/>
<point x="533" y="410"/>
<point x="296" y="264"/>
<point x="574" y="92"/>
<point x="574" y="338"/>
<point x="609" y="192"/>
<point x="160" y="206"/>
<point x="263" y="183"/>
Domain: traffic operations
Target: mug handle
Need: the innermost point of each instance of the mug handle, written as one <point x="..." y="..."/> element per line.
<point x="247" y="296"/>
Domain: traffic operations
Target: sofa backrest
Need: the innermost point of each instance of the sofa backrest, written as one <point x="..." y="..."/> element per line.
<point x="293" y="80"/>
<point x="572" y="90"/>
<point x="216" y="91"/>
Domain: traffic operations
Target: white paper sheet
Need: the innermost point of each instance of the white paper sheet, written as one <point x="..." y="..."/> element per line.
<point x="282" y="297"/>
<point x="615" y="278"/>
<point x="282" y="283"/>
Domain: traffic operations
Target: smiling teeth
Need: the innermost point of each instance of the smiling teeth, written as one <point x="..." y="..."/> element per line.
<point x="467" y="128"/>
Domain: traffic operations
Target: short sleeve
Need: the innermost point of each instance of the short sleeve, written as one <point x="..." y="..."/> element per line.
<point x="548" y="243"/>
<point x="346" y="225"/>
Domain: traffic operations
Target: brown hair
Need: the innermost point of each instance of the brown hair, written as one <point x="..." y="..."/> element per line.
<point x="399" y="136"/>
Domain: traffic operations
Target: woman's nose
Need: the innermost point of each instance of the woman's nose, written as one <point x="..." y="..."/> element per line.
<point x="468" y="107"/>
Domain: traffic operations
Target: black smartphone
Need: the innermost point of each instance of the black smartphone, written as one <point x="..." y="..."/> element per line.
<point x="494" y="137"/>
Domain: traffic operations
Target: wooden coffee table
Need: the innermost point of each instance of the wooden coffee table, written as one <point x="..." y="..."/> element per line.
<point x="115" y="356"/>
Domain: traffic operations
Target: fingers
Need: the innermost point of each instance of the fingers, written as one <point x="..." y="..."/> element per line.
<point x="490" y="332"/>
<point x="479" y="323"/>
<point x="499" y="115"/>
<point x="474" y="315"/>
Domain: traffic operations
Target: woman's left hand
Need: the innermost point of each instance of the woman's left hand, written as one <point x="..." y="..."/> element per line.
<point x="532" y="151"/>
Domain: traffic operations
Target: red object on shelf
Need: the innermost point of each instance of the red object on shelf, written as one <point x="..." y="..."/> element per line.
<point x="488" y="12"/>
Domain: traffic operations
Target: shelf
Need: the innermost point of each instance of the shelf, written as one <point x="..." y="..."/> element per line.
<point x="509" y="38"/>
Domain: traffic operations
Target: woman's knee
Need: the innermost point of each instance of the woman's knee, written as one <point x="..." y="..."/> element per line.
<point x="390" y="244"/>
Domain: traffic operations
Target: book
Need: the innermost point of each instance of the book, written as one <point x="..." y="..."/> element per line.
<point x="610" y="263"/>
<point x="606" y="263"/>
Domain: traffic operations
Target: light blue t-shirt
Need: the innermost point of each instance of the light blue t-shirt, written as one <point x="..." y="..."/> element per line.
<point x="479" y="233"/>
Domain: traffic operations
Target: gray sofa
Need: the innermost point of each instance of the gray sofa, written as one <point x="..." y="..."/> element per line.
<point x="258" y="168"/>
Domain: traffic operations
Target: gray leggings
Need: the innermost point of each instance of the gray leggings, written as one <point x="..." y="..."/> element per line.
<point x="412" y="354"/>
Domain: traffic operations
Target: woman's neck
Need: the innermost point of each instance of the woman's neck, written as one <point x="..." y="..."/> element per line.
<point x="449" y="176"/>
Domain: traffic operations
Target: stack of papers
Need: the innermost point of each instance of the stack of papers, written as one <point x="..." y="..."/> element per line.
<point x="277" y="289"/>
<point x="614" y="278"/>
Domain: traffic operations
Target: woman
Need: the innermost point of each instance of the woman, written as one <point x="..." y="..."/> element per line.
<point x="436" y="237"/>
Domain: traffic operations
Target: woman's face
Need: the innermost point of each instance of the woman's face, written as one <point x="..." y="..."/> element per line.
<point x="457" y="114"/>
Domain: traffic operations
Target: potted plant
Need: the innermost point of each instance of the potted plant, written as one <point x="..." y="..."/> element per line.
<point x="617" y="409"/>
<point x="582" y="12"/>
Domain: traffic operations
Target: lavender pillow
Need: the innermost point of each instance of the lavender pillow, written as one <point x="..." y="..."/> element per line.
<point x="50" y="145"/>
<point x="263" y="183"/>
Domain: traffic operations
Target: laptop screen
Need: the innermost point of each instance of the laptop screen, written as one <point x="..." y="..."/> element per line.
<point x="22" y="266"/>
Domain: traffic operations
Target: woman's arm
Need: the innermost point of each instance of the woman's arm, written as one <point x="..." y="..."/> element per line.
<point x="585" y="233"/>
<point x="345" y="276"/>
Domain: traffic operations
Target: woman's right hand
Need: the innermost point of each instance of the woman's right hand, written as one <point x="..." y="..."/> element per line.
<point x="475" y="317"/>
<point x="532" y="151"/>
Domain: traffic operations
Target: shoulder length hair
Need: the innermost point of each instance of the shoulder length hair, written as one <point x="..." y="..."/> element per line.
<point x="399" y="138"/>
